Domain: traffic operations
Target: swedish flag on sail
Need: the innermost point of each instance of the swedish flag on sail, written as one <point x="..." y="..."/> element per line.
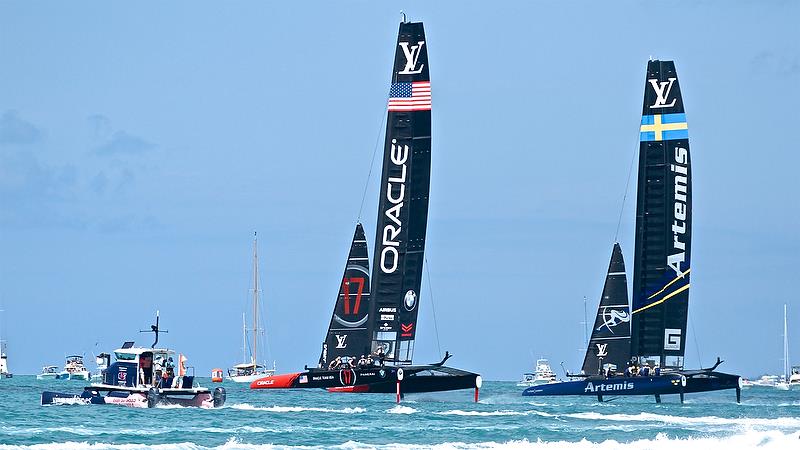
<point x="663" y="127"/>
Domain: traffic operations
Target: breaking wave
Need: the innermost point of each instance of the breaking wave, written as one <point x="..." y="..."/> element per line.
<point x="293" y="409"/>
<point x="400" y="409"/>
<point x="786" y="422"/>
<point x="762" y="440"/>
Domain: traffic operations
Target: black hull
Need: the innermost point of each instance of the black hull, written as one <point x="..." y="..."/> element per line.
<point x="414" y="379"/>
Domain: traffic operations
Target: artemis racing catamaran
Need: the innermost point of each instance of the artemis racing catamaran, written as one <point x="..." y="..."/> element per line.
<point x="370" y="340"/>
<point x="654" y="343"/>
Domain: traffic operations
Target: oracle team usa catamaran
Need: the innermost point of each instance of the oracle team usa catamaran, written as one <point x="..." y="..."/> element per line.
<point x="639" y="350"/>
<point x="370" y="340"/>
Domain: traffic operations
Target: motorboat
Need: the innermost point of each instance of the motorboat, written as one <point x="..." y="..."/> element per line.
<point x="48" y="373"/>
<point x="74" y="369"/>
<point x="143" y="377"/>
<point x="542" y="375"/>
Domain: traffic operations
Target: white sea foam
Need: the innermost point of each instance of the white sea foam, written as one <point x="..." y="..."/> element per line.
<point x="788" y="422"/>
<point x="504" y="412"/>
<point x="762" y="440"/>
<point x="287" y="409"/>
<point x="401" y="409"/>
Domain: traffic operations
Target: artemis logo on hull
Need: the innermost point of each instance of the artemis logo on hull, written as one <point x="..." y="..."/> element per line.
<point x="681" y="210"/>
<point x="621" y="386"/>
<point x="662" y="89"/>
<point x="389" y="253"/>
<point x="412" y="56"/>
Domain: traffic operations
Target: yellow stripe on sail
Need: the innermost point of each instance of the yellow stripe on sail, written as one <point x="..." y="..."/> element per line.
<point x="670" y="283"/>
<point x="678" y="291"/>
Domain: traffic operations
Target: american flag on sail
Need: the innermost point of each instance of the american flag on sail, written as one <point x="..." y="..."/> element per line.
<point x="414" y="96"/>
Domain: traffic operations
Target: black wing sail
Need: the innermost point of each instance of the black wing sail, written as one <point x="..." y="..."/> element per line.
<point x="348" y="333"/>
<point x="403" y="203"/>
<point x="611" y="335"/>
<point x="663" y="222"/>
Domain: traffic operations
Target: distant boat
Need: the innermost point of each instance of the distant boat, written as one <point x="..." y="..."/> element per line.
<point x="542" y="375"/>
<point x="4" y="372"/>
<point x="250" y="370"/>
<point x="102" y="361"/>
<point x="369" y="345"/>
<point x="48" y="373"/>
<point x="659" y="311"/>
<point x="789" y="380"/>
<point x="74" y="369"/>
<point x="143" y="377"/>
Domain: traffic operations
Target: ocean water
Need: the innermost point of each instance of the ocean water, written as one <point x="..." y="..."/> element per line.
<point x="767" y="418"/>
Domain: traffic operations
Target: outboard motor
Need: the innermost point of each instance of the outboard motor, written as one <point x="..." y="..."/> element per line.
<point x="219" y="397"/>
<point x="152" y="398"/>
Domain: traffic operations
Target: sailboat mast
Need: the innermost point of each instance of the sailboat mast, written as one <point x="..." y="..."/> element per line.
<point x="785" y="345"/>
<point x="244" y="339"/>
<point x="255" y="299"/>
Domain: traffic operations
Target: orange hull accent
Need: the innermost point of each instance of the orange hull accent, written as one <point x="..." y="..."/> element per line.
<point x="359" y="388"/>
<point x="275" y="381"/>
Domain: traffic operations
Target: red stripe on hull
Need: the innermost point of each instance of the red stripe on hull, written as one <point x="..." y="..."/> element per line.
<point x="275" y="382"/>
<point x="359" y="388"/>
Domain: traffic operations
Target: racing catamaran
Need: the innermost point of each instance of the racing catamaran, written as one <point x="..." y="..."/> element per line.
<point x="659" y="312"/>
<point x="369" y="345"/>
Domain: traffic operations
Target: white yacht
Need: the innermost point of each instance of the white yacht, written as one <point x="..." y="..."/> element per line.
<point x="74" y="369"/>
<point x="249" y="369"/>
<point x="102" y="360"/>
<point x="542" y="375"/>
<point x="48" y="373"/>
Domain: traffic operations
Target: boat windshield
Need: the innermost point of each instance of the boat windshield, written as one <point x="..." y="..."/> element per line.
<point x="122" y="356"/>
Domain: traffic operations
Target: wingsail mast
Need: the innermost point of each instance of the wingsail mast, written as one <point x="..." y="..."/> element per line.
<point x="785" y="346"/>
<point x="663" y="222"/>
<point x="403" y="203"/>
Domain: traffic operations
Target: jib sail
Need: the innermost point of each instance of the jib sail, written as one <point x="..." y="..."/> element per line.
<point x="348" y="333"/>
<point x="611" y="335"/>
<point x="663" y="222"/>
<point x="403" y="203"/>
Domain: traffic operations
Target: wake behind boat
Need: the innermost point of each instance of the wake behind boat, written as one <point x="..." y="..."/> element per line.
<point x="369" y="346"/>
<point x="652" y="348"/>
<point x="143" y="378"/>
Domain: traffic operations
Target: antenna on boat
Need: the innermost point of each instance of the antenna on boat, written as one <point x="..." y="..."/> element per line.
<point x="154" y="329"/>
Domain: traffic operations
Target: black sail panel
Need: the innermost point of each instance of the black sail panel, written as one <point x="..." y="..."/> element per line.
<point x="348" y="333"/>
<point x="611" y="335"/>
<point x="403" y="203"/>
<point x="663" y="222"/>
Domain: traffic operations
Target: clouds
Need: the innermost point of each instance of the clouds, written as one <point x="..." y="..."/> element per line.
<point x="14" y="130"/>
<point x="49" y="180"/>
<point x="123" y="143"/>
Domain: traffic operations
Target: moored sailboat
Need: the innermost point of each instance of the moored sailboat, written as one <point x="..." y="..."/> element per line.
<point x="250" y="370"/>
<point x="659" y="311"/>
<point x="370" y="341"/>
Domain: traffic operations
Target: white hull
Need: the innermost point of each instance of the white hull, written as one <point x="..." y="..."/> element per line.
<point x="535" y="383"/>
<point x="46" y="376"/>
<point x="80" y="376"/>
<point x="249" y="378"/>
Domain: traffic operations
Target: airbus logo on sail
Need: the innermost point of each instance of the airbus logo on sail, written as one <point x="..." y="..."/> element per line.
<point x="412" y="56"/>
<point x="389" y="253"/>
<point x="680" y="209"/>
<point x="662" y="90"/>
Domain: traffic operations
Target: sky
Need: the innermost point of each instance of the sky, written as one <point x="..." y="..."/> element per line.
<point x="142" y="144"/>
